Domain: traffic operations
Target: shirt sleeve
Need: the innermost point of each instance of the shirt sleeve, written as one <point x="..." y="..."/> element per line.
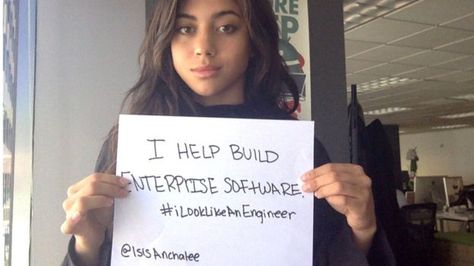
<point x="332" y="236"/>
<point x="71" y="256"/>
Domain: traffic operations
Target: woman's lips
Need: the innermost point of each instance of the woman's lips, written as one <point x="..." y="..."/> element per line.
<point x="205" y="71"/>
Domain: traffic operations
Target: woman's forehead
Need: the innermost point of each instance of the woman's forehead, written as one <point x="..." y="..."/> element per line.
<point x="209" y="6"/>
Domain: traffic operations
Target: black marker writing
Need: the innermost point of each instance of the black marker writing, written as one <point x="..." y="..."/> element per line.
<point x="242" y="211"/>
<point x="192" y="151"/>
<point x="166" y="209"/>
<point x="155" y="148"/>
<point x="239" y="153"/>
<point x="261" y="188"/>
<point x="172" y="183"/>
<point x="129" y="250"/>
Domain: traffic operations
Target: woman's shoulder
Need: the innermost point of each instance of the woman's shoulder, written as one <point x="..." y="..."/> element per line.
<point x="268" y="110"/>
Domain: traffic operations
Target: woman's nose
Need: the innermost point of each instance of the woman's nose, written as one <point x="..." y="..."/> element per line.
<point x="205" y="44"/>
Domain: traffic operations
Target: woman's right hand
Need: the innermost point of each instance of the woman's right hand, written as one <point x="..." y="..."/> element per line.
<point x="89" y="211"/>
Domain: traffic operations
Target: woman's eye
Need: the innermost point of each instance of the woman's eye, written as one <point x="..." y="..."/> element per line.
<point x="185" y="30"/>
<point x="227" y="28"/>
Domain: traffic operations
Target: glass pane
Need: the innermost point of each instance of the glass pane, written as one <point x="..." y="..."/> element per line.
<point x="10" y="36"/>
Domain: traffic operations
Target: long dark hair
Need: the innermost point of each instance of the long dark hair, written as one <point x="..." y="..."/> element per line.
<point x="160" y="91"/>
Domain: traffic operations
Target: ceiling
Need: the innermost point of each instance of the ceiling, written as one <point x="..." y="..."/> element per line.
<point x="414" y="59"/>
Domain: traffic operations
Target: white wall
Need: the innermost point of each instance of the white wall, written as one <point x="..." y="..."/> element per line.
<point x="449" y="152"/>
<point x="87" y="57"/>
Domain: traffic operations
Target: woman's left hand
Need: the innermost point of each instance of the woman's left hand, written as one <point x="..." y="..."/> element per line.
<point x="348" y="190"/>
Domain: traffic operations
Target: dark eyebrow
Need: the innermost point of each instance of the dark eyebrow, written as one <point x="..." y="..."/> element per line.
<point x="215" y="16"/>
<point x="225" y="13"/>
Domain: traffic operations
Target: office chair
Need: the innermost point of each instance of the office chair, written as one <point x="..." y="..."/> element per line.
<point x="420" y="221"/>
<point x="465" y="195"/>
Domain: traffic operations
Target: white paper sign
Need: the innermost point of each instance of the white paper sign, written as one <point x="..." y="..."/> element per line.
<point x="213" y="191"/>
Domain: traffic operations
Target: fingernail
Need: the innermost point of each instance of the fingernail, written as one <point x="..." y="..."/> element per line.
<point x="110" y="202"/>
<point x="124" y="181"/>
<point x="317" y="195"/>
<point x="305" y="188"/>
<point x="124" y="193"/>
<point x="306" y="176"/>
<point x="75" y="217"/>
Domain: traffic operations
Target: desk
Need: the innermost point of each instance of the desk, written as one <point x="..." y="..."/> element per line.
<point x="465" y="217"/>
<point x="453" y="248"/>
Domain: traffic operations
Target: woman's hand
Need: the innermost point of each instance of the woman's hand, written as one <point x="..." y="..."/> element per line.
<point x="89" y="212"/>
<point x="348" y="190"/>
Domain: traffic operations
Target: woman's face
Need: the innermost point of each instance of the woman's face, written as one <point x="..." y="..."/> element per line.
<point x="211" y="49"/>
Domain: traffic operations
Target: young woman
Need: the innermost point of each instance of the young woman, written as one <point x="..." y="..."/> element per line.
<point x="220" y="58"/>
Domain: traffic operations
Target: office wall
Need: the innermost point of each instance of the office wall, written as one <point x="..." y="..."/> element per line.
<point x="449" y="152"/>
<point x="86" y="59"/>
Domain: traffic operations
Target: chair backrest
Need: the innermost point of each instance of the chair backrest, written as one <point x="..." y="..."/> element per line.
<point x="420" y="214"/>
<point x="420" y="221"/>
<point x="467" y="193"/>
